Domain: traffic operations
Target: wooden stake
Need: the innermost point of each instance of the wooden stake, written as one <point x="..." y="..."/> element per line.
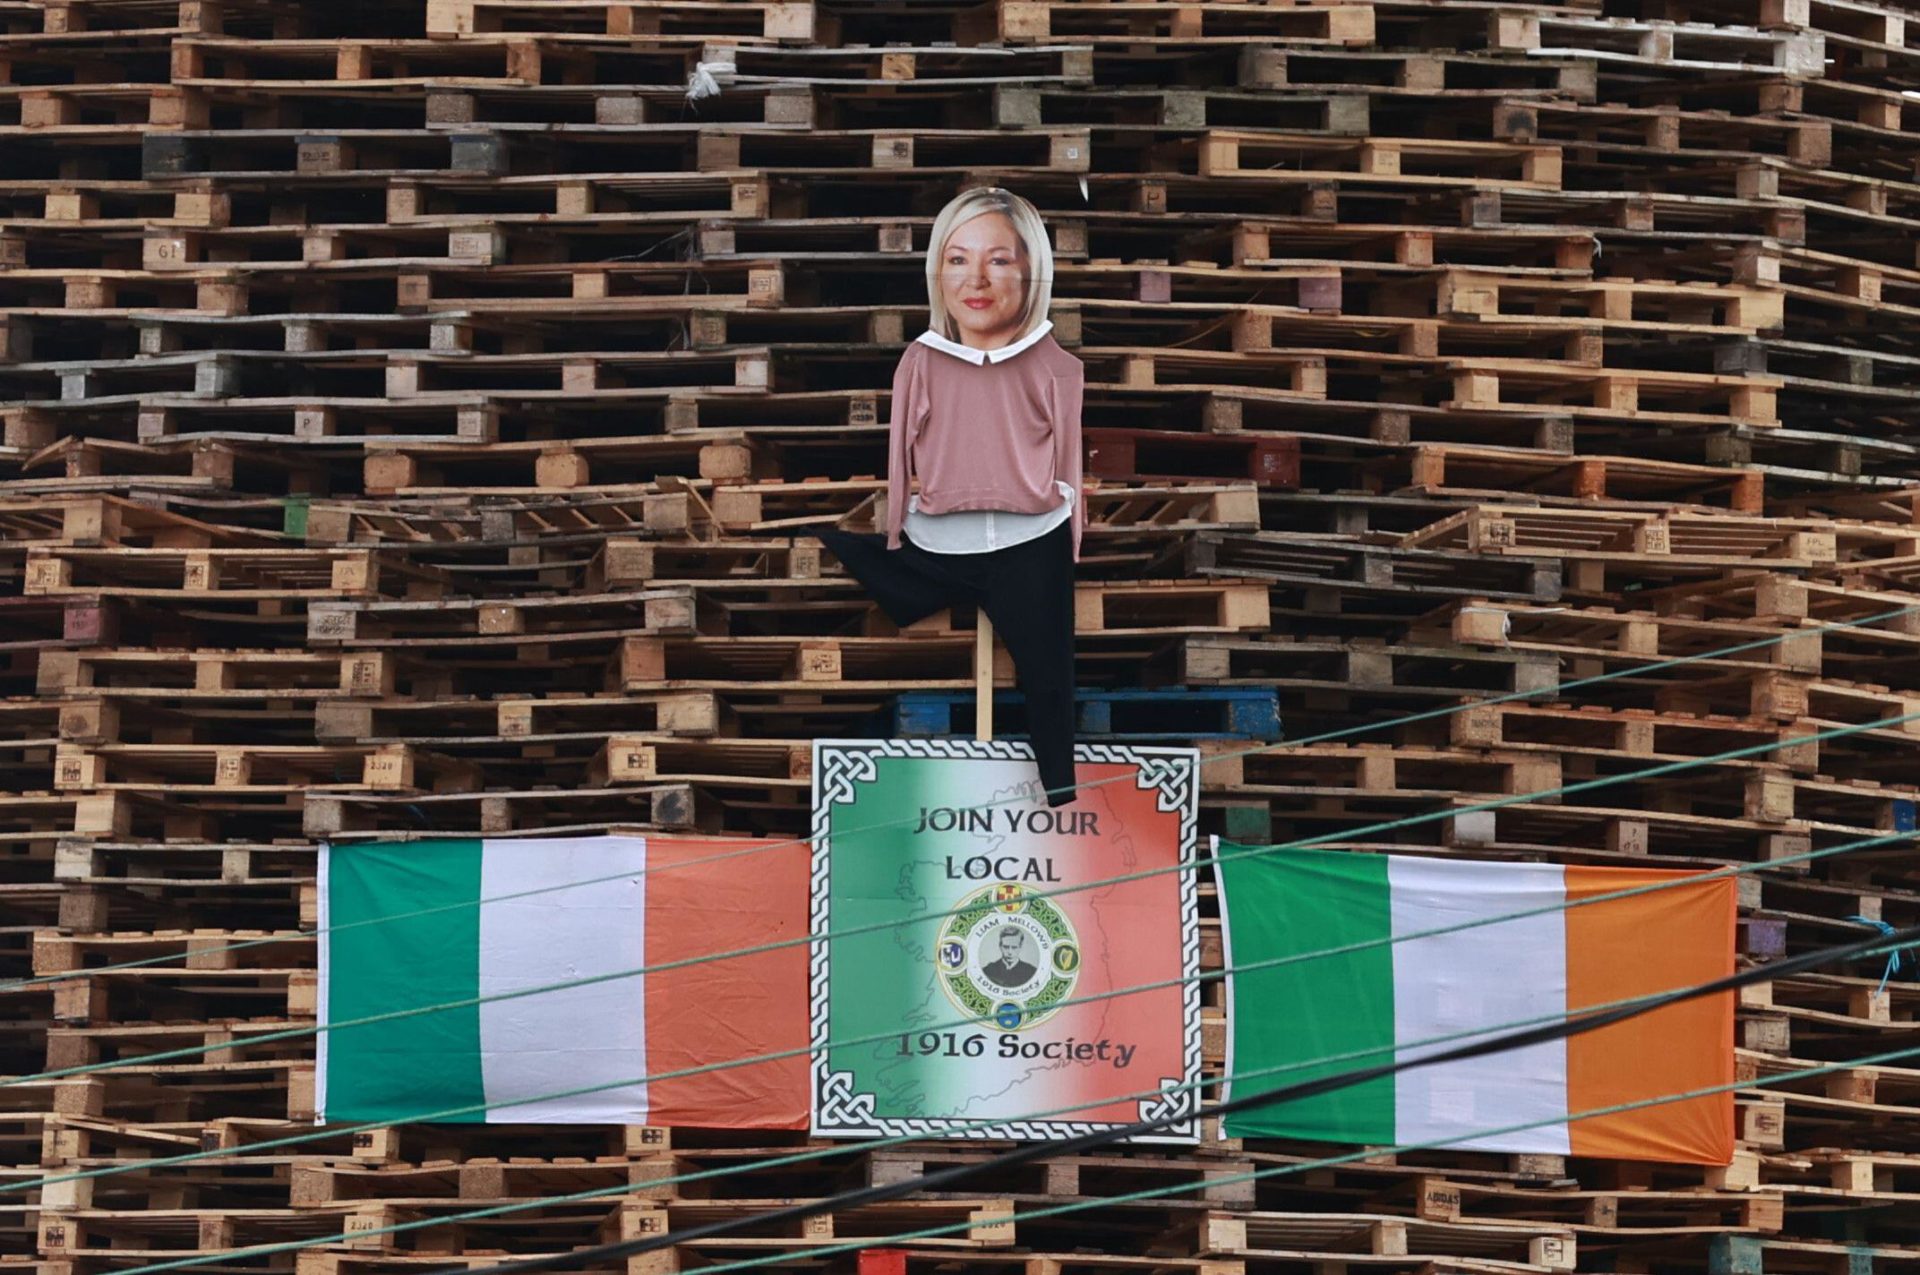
<point x="983" y="678"/>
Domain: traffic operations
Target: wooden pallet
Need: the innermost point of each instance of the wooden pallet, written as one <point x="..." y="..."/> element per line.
<point x="1256" y="1235"/>
<point x="1329" y="572"/>
<point x="1324" y="670"/>
<point x="1708" y="541"/>
<point x="1225" y="155"/>
<point x="1123" y="714"/>
<point x="108" y="520"/>
<point x="131" y="673"/>
<point x="237" y="574"/>
<point x="182" y="769"/>
<point x="1646" y="736"/>
<point x="1479" y="471"/>
<point x="417" y="420"/>
<point x="1162" y="454"/>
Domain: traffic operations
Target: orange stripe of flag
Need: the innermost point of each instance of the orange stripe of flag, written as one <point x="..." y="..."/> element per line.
<point x="725" y="1010"/>
<point x="1656" y="942"/>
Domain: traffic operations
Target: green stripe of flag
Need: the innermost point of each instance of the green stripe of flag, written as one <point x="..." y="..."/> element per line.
<point x="1280" y="904"/>
<point x="429" y="1062"/>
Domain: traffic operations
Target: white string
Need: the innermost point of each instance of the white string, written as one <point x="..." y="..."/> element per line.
<point x="703" y="82"/>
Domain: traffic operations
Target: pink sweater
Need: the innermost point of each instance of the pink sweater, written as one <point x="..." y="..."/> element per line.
<point x="993" y="435"/>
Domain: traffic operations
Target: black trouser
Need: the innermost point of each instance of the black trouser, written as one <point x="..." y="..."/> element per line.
<point x="1026" y="590"/>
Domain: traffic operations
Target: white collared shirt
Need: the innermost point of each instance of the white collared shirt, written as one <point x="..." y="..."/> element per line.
<point x="983" y="530"/>
<point x="977" y="357"/>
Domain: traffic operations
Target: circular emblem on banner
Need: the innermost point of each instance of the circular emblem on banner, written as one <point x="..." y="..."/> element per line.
<point x="1007" y="958"/>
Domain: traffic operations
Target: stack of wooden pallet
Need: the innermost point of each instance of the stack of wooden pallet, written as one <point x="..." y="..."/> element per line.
<point x="417" y="416"/>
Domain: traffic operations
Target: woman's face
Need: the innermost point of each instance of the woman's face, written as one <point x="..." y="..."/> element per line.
<point x="983" y="280"/>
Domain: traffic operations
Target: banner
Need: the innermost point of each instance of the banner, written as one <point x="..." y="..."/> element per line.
<point x="410" y="925"/>
<point x="1400" y="982"/>
<point x="970" y="977"/>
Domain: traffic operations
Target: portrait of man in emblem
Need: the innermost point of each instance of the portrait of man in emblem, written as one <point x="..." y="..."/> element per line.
<point x="1011" y="969"/>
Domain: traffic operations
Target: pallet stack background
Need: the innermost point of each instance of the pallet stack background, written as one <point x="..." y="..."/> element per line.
<point x="416" y="415"/>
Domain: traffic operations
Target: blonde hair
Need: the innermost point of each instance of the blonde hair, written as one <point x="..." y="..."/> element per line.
<point x="1032" y="232"/>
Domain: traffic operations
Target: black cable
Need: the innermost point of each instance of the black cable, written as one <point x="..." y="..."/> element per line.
<point x="941" y="1178"/>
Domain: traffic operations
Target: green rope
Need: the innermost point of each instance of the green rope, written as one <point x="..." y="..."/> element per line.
<point x="264" y="1250"/>
<point x="1204" y="976"/>
<point x="764" y="847"/>
<point x="975" y="1126"/>
<point x="299" y="1033"/>
<point x="1261" y="1175"/>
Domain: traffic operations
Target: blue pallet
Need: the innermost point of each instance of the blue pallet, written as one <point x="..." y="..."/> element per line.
<point x="1167" y="714"/>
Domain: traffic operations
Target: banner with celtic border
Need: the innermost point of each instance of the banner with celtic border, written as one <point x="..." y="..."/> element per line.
<point x="981" y="963"/>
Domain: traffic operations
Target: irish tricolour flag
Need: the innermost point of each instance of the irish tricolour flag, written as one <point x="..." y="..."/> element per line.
<point x="415" y="924"/>
<point x="1402" y="984"/>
